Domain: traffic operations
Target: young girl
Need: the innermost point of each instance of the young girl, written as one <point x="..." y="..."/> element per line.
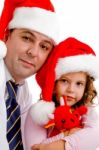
<point x="69" y="71"/>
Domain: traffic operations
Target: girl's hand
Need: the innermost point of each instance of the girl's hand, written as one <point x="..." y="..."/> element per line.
<point x="38" y="147"/>
<point x="69" y="132"/>
<point x="58" y="145"/>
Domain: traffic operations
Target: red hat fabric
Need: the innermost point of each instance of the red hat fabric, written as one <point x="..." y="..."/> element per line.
<point x="30" y="14"/>
<point x="71" y="55"/>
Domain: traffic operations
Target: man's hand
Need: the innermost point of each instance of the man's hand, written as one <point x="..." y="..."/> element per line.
<point x="58" y="145"/>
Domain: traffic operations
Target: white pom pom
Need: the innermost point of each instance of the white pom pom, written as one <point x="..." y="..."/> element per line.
<point x="3" y="49"/>
<point x="41" y="110"/>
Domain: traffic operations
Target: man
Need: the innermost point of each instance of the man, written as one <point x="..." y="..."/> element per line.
<point x="29" y="29"/>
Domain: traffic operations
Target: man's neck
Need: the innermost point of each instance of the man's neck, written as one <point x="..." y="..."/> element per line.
<point x="10" y="77"/>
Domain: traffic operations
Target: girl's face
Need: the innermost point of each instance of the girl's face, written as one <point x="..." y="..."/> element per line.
<point x="71" y="85"/>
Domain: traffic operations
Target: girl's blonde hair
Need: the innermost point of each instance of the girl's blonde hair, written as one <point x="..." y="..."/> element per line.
<point x="89" y="94"/>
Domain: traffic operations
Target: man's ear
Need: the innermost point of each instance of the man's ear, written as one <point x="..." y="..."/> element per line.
<point x="8" y="32"/>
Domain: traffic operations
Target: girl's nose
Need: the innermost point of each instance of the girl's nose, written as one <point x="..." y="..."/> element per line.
<point x="70" y="88"/>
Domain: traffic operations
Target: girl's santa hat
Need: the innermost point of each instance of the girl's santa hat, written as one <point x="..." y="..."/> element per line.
<point x="71" y="55"/>
<point x="31" y="14"/>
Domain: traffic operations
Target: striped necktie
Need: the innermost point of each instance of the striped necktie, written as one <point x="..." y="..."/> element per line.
<point x="13" y="118"/>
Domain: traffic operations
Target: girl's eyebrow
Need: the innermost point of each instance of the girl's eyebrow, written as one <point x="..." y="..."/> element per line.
<point x="67" y="78"/>
<point x="82" y="81"/>
<point x="64" y="78"/>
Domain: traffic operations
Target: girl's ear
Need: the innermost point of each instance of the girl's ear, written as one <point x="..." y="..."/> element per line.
<point x="54" y="91"/>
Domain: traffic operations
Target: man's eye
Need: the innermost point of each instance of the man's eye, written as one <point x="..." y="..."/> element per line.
<point x="26" y="38"/>
<point x="44" y="47"/>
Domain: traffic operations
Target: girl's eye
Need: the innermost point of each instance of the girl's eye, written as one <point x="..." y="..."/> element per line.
<point x="63" y="80"/>
<point x="80" y="84"/>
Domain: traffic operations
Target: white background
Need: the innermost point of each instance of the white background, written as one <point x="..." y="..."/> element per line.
<point x="78" y="18"/>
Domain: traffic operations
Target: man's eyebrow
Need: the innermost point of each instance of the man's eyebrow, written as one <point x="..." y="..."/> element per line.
<point x="33" y="35"/>
<point x="49" y="42"/>
<point x="28" y="32"/>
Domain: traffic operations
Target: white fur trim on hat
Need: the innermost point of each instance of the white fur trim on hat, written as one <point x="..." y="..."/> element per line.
<point x="86" y="63"/>
<point x="36" y="19"/>
<point x="40" y="111"/>
<point x="3" y="49"/>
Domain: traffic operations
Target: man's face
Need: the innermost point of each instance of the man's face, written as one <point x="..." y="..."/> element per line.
<point x="26" y="52"/>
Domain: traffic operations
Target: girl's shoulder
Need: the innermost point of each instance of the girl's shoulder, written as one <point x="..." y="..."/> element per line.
<point x="92" y="115"/>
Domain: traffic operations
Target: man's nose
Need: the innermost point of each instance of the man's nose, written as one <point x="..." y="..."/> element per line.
<point x="33" y="51"/>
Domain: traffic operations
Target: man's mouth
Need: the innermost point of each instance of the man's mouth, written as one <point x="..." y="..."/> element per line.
<point x="27" y="63"/>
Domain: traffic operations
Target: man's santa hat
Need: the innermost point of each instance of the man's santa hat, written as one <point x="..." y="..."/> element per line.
<point x="71" y="55"/>
<point x="36" y="15"/>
